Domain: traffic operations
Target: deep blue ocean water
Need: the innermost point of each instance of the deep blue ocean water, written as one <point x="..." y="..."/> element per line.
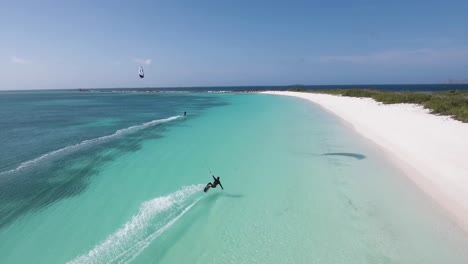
<point x="45" y="133"/>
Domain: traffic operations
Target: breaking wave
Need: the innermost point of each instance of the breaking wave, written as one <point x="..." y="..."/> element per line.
<point x="89" y="142"/>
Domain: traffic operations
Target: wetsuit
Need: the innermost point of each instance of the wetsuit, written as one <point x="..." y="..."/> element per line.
<point x="215" y="183"/>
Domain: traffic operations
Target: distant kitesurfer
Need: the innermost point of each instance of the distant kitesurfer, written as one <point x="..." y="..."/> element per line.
<point x="185" y="113"/>
<point x="215" y="183"/>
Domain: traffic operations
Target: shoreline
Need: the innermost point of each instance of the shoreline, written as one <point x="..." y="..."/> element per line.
<point x="431" y="150"/>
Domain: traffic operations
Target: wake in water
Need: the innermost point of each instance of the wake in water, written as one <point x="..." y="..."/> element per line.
<point x="153" y="219"/>
<point x="88" y="142"/>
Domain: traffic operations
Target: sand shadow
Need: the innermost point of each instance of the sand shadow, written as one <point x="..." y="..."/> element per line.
<point x="218" y="195"/>
<point x="345" y="154"/>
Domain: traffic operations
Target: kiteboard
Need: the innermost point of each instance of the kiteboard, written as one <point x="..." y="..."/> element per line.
<point x="207" y="187"/>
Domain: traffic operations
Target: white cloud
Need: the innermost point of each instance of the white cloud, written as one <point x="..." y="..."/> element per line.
<point x="416" y="56"/>
<point x="142" y="61"/>
<point x="17" y="60"/>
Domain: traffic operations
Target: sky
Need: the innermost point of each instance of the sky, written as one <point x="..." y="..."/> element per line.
<point x="100" y="44"/>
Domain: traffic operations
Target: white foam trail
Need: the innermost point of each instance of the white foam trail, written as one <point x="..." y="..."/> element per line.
<point x="88" y="142"/>
<point x="135" y="231"/>
<point x="140" y="246"/>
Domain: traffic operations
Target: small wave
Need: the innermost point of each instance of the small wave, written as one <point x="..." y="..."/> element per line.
<point x="88" y="142"/>
<point x="128" y="241"/>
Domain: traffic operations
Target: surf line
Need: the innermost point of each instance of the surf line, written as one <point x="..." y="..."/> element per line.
<point x="88" y="142"/>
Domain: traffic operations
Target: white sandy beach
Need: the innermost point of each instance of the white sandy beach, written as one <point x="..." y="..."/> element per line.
<point x="432" y="150"/>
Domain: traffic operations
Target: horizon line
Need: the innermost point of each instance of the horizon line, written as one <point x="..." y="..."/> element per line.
<point x="231" y="86"/>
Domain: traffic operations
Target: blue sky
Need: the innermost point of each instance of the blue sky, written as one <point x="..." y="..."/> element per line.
<point x="92" y="44"/>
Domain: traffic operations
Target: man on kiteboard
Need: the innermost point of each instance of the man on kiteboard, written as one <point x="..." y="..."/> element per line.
<point x="215" y="183"/>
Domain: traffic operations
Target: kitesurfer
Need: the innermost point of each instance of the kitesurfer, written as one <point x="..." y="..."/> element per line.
<point x="185" y="113"/>
<point x="215" y="183"/>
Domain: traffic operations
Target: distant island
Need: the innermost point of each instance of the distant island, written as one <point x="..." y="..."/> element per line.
<point x="452" y="81"/>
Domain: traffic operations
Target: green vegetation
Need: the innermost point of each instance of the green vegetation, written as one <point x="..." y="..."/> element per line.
<point x="452" y="103"/>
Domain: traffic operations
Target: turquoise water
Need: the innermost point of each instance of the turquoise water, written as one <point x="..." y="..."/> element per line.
<point x="123" y="179"/>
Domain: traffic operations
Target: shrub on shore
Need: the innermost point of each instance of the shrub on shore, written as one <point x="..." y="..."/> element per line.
<point x="453" y="103"/>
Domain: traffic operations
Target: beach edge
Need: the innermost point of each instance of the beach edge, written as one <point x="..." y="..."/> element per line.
<point x="445" y="182"/>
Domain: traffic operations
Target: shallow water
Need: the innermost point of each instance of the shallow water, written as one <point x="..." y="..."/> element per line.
<point x="300" y="187"/>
